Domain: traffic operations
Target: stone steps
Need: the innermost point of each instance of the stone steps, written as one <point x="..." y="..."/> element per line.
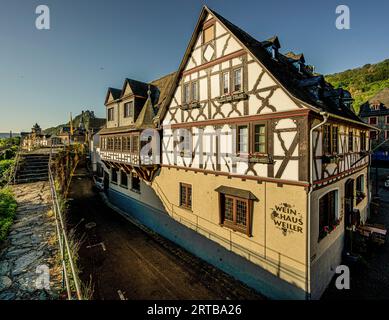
<point x="33" y="167"/>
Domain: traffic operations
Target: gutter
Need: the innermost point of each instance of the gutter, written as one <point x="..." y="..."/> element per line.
<point x="354" y="121"/>
<point x="311" y="159"/>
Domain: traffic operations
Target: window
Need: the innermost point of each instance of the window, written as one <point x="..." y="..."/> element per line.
<point x="259" y="138"/>
<point x="328" y="213"/>
<point x="360" y="188"/>
<point x="126" y="144"/>
<point x="185" y="140"/>
<point x="114" y="176"/>
<point x="326" y="139"/>
<point x="110" y="144"/>
<point x="117" y="145"/>
<point x="185" y="98"/>
<point x="135" y="182"/>
<point x="243" y="140"/>
<point x="373" y="120"/>
<point x="194" y="91"/>
<point x="235" y="213"/>
<point x="350" y="141"/>
<point x="330" y="139"/>
<point x="103" y="143"/>
<point x="238" y="80"/>
<point x="373" y="135"/>
<point x="386" y="134"/>
<point x="186" y="195"/>
<point x="386" y="119"/>
<point x="110" y="114"/>
<point x="209" y="34"/>
<point x="129" y="109"/>
<point x="134" y="143"/>
<point x="334" y="139"/>
<point x="123" y="179"/>
<point x="363" y="141"/>
<point x="226" y="83"/>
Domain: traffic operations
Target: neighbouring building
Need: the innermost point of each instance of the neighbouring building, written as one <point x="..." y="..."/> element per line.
<point x="261" y="167"/>
<point x="376" y="113"/>
<point x="35" y="139"/>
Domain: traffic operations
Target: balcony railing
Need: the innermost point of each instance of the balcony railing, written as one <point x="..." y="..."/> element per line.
<point x="125" y="149"/>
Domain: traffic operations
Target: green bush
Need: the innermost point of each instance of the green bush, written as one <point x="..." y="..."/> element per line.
<point x="7" y="212"/>
<point x="5" y="169"/>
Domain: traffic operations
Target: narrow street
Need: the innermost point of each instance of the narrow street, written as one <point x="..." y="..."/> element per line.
<point x="123" y="262"/>
<point x="370" y="278"/>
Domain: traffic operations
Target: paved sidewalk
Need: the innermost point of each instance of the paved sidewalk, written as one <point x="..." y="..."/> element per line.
<point x="29" y="254"/>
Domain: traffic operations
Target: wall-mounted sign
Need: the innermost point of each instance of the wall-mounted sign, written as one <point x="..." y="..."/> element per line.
<point x="286" y="218"/>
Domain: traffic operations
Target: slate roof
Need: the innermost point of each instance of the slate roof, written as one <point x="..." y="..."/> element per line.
<point x="163" y="84"/>
<point x="138" y="88"/>
<point x="288" y="75"/>
<point x="115" y="92"/>
<point x="159" y="90"/>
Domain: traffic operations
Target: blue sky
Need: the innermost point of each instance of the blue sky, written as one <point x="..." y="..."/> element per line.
<point x="93" y="44"/>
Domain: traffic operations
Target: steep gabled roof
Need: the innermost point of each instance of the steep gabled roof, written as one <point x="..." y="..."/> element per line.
<point x="163" y="84"/>
<point x="145" y="117"/>
<point x="138" y="88"/>
<point x="280" y="69"/>
<point x="115" y="94"/>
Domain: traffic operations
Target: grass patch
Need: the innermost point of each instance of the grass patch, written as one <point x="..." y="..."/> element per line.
<point x="7" y="212"/>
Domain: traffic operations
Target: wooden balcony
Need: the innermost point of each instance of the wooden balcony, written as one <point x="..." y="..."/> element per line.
<point x="125" y="149"/>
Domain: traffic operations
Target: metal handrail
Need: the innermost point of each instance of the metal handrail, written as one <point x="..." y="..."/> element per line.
<point x="63" y="239"/>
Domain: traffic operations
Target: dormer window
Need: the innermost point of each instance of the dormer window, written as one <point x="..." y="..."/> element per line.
<point x="274" y="52"/>
<point x="110" y="114"/>
<point x="129" y="109"/>
<point x="375" y="106"/>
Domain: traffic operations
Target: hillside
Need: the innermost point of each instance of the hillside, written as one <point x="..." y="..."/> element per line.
<point x="364" y="82"/>
<point x="90" y="121"/>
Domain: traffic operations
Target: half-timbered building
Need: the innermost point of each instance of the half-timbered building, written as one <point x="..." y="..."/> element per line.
<point x="263" y="165"/>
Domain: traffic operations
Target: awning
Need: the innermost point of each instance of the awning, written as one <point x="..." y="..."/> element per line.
<point x="236" y="192"/>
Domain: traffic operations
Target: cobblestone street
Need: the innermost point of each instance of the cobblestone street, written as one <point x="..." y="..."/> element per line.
<point x="125" y="262"/>
<point x="31" y="247"/>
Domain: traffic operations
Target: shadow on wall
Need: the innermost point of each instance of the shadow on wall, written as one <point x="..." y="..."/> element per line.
<point x="249" y="273"/>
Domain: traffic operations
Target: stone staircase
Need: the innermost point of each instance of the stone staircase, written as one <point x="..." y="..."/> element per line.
<point x="32" y="167"/>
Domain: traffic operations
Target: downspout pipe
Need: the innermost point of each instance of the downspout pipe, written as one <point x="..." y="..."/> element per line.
<point x="325" y="116"/>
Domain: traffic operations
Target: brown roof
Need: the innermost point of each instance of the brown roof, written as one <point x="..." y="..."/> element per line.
<point x="163" y="84"/>
<point x="145" y="117"/>
<point x="295" y="56"/>
<point x="382" y="97"/>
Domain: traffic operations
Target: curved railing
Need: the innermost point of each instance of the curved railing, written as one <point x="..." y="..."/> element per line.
<point x="63" y="239"/>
